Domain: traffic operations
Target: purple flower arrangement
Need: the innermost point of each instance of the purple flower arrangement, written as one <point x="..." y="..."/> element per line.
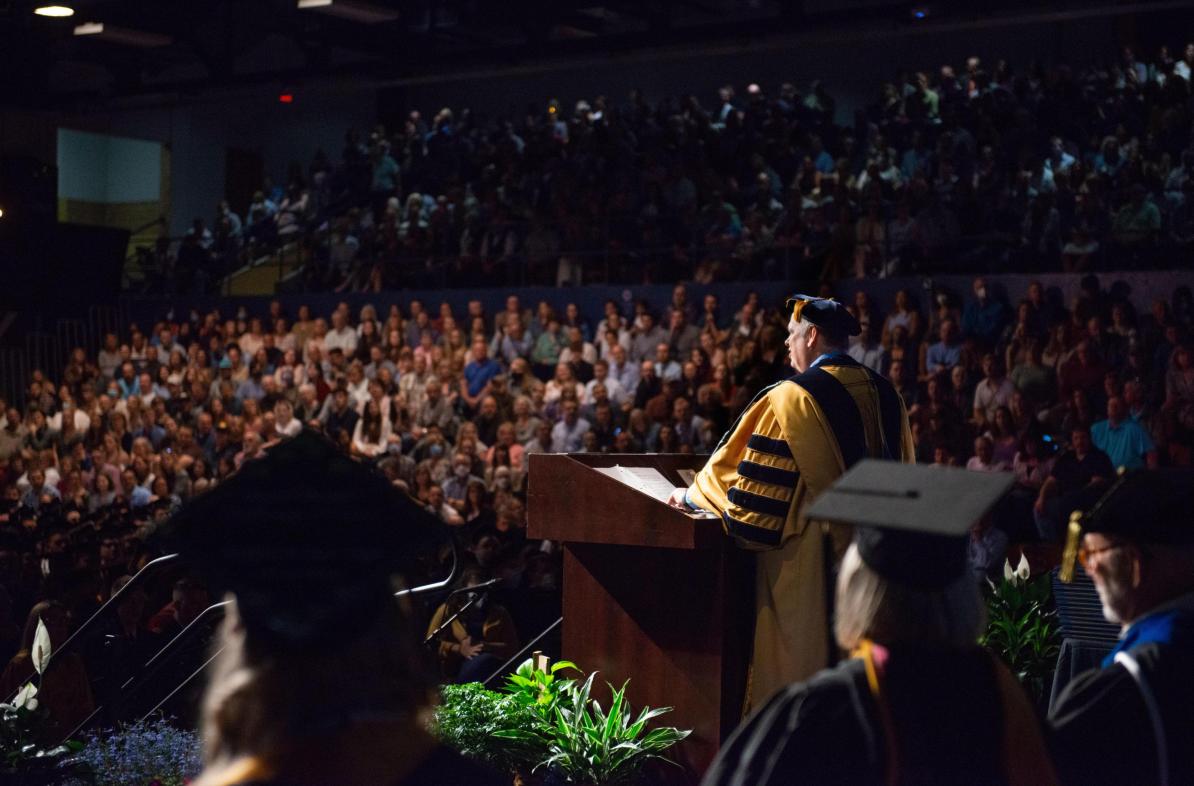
<point x="146" y="753"/>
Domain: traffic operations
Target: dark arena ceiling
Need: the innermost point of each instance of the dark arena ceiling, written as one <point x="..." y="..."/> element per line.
<point x="114" y="51"/>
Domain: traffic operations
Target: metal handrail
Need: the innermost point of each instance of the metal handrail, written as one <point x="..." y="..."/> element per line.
<point x="151" y="568"/>
<point x="435" y="585"/>
<point x="141" y="576"/>
<point x="198" y="672"/>
<point x="163" y="655"/>
<point x="155" y="663"/>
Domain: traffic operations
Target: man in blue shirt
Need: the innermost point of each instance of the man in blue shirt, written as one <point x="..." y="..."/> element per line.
<point x="1123" y="439"/>
<point x="945" y="354"/>
<point x="251" y="387"/>
<point x="477" y="374"/>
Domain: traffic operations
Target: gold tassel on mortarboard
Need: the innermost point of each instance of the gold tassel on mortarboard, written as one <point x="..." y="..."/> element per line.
<point x="797" y="308"/>
<point x="1069" y="557"/>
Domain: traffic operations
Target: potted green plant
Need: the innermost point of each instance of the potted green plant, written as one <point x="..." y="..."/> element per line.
<point x="1022" y="627"/>
<point x="546" y="728"/>
<point x="469" y="719"/>
<point x="594" y="747"/>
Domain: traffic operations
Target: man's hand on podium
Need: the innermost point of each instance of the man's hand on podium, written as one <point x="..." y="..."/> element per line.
<point x="677" y="499"/>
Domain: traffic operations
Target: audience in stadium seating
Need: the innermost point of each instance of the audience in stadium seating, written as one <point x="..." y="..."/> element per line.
<point x="451" y="405"/>
<point x="988" y="167"/>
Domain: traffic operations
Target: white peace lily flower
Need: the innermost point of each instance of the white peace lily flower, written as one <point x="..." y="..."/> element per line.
<point x="1008" y="573"/>
<point x="26" y="697"/>
<point x="1023" y="572"/>
<point x="41" y="647"/>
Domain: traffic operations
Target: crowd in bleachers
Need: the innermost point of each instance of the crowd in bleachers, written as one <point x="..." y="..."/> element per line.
<point x="985" y="167"/>
<point x="1060" y="388"/>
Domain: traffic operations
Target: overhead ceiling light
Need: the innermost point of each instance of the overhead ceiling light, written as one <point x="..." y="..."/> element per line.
<point x="353" y="10"/>
<point x="122" y="35"/>
<point x="54" y="10"/>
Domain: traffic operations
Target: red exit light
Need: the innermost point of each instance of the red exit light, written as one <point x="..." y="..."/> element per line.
<point x="286" y="98"/>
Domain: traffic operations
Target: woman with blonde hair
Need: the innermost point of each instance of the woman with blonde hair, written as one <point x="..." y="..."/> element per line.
<point x="918" y="700"/>
<point x="319" y="678"/>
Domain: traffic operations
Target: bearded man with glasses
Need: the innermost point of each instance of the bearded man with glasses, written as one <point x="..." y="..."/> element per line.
<point x="1132" y="720"/>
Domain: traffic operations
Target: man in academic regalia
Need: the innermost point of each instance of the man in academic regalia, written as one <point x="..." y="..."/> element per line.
<point x="789" y="445"/>
<point x="919" y="703"/>
<point x="320" y="678"/>
<point x="1132" y="721"/>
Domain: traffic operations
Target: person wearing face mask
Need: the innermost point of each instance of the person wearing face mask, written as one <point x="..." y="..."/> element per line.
<point x="435" y="450"/>
<point x="984" y="318"/>
<point x="456" y="486"/>
<point x="479" y="640"/>
<point x="503" y="478"/>
<point x="1131" y="720"/>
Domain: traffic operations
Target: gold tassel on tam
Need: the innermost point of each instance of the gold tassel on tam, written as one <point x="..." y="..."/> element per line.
<point x="1069" y="557"/>
<point x="798" y="307"/>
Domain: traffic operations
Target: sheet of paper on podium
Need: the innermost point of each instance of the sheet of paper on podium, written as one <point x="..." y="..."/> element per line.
<point x="648" y="480"/>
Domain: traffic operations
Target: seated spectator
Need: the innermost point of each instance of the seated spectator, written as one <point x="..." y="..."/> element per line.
<point x="903" y="315"/>
<point x="1123" y="439"/>
<point x="984" y="459"/>
<point x="1031" y="376"/>
<point x="1083" y="372"/>
<point x="1179" y="388"/>
<point x="564" y="382"/>
<point x="568" y="434"/>
<point x="984" y="318"/>
<point x="993" y="391"/>
<point x="1079" y="476"/>
<point x="456" y="486"/>
<point x="371" y="435"/>
<point x="867" y="351"/>
<point x="1138" y="222"/>
<point x="478" y="641"/>
<point x="437" y="505"/>
<point x="666" y="367"/>
<point x="946" y="353"/>
<point x="1004" y="438"/>
<point x="579" y="355"/>
<point x="646" y="337"/>
<point x="187" y="601"/>
<point x="1033" y="462"/>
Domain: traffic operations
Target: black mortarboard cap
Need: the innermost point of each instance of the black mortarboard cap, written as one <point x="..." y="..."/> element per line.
<point x="826" y="313"/>
<point x="912" y="522"/>
<point x="306" y="538"/>
<point x="1149" y="506"/>
<point x="1144" y="505"/>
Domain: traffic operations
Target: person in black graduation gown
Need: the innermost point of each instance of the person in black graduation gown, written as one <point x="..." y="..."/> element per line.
<point x="320" y="679"/>
<point x="918" y="702"/>
<point x="1132" y="720"/>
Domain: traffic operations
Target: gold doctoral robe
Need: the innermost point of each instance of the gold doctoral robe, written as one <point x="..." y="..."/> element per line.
<point x="790" y="444"/>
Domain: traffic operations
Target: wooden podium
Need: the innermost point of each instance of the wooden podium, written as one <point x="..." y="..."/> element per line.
<point x="651" y="594"/>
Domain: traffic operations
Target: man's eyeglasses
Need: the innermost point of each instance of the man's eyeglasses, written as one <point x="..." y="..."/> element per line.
<point x="1085" y="554"/>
